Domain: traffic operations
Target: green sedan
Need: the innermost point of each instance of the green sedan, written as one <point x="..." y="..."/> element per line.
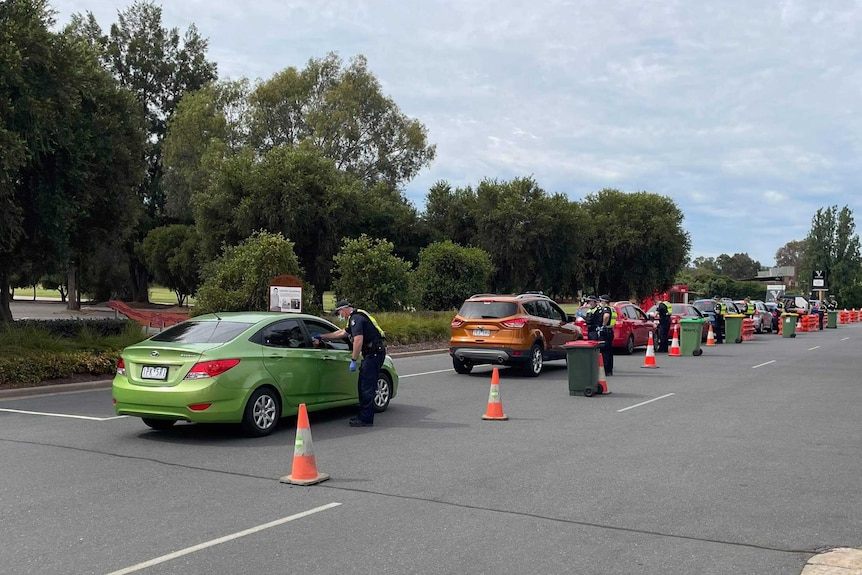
<point x="240" y="367"/>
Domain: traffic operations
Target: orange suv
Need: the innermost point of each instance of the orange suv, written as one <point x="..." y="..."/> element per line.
<point x="522" y="330"/>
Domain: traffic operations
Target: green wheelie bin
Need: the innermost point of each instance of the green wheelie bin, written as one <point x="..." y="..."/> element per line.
<point x="690" y="334"/>
<point x="582" y="359"/>
<point x="832" y="318"/>
<point x="788" y="324"/>
<point x="733" y="327"/>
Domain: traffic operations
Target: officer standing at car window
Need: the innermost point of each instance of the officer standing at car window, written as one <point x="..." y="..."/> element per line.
<point x="366" y="338"/>
<point x="608" y="318"/>
<point x="664" y="312"/>
<point x="592" y="318"/>
<point x="720" y="310"/>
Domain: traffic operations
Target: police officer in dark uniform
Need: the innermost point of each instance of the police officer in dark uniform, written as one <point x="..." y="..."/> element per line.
<point x="664" y="317"/>
<point x="607" y="318"/>
<point x="719" y="309"/>
<point x="368" y="339"/>
<point x="832" y="305"/>
<point x="591" y="318"/>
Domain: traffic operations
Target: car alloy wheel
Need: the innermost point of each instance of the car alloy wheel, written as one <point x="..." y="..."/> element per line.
<point x="537" y="360"/>
<point x="383" y="393"/>
<point x="630" y="345"/>
<point x="262" y="412"/>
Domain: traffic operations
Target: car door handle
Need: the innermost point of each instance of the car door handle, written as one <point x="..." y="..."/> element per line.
<point x="328" y="358"/>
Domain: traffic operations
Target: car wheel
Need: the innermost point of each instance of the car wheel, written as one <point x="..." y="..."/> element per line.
<point x="383" y="393"/>
<point x="537" y="361"/>
<point x="159" y="424"/>
<point x="630" y="345"/>
<point x="461" y="367"/>
<point x="262" y="412"/>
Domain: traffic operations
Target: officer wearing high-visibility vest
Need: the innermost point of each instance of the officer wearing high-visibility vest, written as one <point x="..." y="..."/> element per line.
<point x="592" y="318"/>
<point x="607" y="315"/>
<point x="831" y="305"/>
<point x="719" y="309"/>
<point x="368" y="339"/>
<point x="664" y="317"/>
<point x="748" y="308"/>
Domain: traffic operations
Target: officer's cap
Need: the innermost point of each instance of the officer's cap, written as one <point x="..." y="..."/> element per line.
<point x="592" y="298"/>
<point x="342" y="304"/>
<point x="605" y="297"/>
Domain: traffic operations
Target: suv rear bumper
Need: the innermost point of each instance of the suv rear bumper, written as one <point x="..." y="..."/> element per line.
<point x="477" y="355"/>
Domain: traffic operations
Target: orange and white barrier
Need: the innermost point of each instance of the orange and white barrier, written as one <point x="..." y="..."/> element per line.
<point x="710" y="337"/>
<point x="649" y="358"/>
<point x="495" y="404"/>
<point x="304" y="471"/>
<point x="675" y="350"/>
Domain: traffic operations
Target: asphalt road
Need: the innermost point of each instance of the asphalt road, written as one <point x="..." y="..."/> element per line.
<point x="744" y="460"/>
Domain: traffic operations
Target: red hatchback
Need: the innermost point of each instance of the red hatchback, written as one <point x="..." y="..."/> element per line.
<point x="682" y="311"/>
<point x="632" y="328"/>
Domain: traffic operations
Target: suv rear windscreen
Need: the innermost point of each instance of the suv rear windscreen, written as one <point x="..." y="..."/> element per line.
<point x="202" y="332"/>
<point x="487" y="309"/>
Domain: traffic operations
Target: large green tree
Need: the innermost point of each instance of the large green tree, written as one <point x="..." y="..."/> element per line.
<point x="832" y="246"/>
<point x="635" y="243"/>
<point x="76" y="146"/>
<point x="737" y="266"/>
<point x="159" y="66"/>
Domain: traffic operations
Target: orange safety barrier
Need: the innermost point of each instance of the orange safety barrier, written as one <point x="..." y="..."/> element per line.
<point x="147" y="317"/>
<point x="843" y="316"/>
<point x="649" y="358"/>
<point x="304" y="469"/>
<point x="747" y="329"/>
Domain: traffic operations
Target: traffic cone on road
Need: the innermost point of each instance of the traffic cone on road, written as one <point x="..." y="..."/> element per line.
<point x="304" y="471"/>
<point x="603" y="381"/>
<point x="675" y="351"/>
<point x="710" y="337"/>
<point x="495" y="405"/>
<point x="649" y="358"/>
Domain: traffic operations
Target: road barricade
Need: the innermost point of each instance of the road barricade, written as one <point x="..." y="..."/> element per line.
<point x="748" y="329"/>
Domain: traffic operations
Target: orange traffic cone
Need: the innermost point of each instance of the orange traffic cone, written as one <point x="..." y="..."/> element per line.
<point x="710" y="337"/>
<point x="602" y="382"/>
<point x="675" y="350"/>
<point x="304" y="470"/>
<point x="649" y="358"/>
<point x="495" y="406"/>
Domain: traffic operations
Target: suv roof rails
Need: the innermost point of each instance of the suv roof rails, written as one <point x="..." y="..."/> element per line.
<point x="482" y="295"/>
<point x="531" y="293"/>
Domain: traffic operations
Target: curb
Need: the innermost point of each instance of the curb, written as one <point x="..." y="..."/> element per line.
<point x="838" y="561"/>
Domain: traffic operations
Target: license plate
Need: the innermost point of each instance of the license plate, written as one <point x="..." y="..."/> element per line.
<point x="154" y="372"/>
<point x="482" y="332"/>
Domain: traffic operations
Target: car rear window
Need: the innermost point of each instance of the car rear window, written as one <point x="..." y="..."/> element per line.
<point x="202" y="332"/>
<point x="704" y="305"/>
<point x="487" y="309"/>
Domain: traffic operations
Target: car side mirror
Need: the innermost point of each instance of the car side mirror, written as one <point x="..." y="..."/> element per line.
<point x="570" y="317"/>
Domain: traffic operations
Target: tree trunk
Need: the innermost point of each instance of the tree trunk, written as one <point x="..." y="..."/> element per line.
<point x="74" y="302"/>
<point x="5" y="299"/>
<point x="139" y="281"/>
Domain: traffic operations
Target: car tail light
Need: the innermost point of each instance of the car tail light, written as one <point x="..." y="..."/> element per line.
<point x="211" y="368"/>
<point x="457" y="322"/>
<point x="121" y="367"/>
<point x="199" y="406"/>
<point x="516" y="323"/>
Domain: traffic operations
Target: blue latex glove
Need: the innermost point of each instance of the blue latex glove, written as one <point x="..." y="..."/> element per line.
<point x="352" y="365"/>
<point x="317" y="337"/>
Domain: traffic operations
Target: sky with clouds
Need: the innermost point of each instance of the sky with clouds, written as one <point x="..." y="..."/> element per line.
<point x="744" y="113"/>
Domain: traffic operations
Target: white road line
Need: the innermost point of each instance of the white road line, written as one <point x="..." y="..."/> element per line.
<point x="844" y="338"/>
<point x="762" y="364"/>
<point x="813" y="348"/>
<point x="425" y="373"/>
<point x="644" y="403"/>
<point x="225" y="539"/>
<point x="88" y="418"/>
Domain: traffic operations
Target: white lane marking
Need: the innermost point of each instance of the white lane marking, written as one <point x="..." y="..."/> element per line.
<point x="643" y="403"/>
<point x="762" y="364"/>
<point x="425" y="373"/>
<point x="844" y="338"/>
<point x="813" y="348"/>
<point x="87" y="417"/>
<point x="225" y="539"/>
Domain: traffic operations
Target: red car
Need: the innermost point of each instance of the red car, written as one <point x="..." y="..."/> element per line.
<point x="682" y="311"/>
<point x="632" y="328"/>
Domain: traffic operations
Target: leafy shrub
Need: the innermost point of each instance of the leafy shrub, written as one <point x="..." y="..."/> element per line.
<point x="370" y="276"/>
<point x="449" y="273"/>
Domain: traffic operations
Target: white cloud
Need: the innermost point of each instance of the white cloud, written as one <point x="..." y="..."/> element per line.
<point x="732" y="103"/>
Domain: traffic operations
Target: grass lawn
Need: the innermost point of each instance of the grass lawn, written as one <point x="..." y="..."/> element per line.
<point x="158" y="294"/>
